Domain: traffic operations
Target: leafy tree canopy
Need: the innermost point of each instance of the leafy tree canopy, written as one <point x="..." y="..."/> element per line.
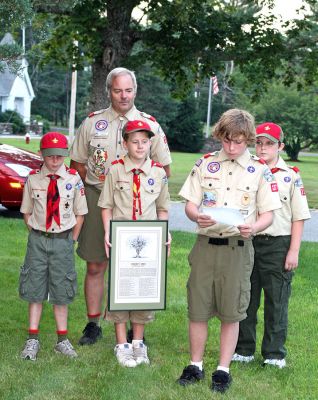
<point x="186" y="40"/>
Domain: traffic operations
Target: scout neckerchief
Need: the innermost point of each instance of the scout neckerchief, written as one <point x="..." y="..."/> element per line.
<point x="136" y="192"/>
<point x="53" y="202"/>
<point x="274" y="170"/>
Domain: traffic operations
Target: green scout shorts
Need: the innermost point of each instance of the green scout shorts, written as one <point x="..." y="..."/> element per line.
<point x="91" y="245"/>
<point x="219" y="282"/>
<point x="137" y="317"/>
<point x="48" y="272"/>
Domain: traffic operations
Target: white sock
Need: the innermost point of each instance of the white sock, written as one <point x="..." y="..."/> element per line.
<point x="198" y="364"/>
<point x="124" y="345"/>
<point x="220" y="368"/>
<point x="137" y="342"/>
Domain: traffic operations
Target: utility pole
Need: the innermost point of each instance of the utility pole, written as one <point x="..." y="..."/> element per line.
<point x="71" y="125"/>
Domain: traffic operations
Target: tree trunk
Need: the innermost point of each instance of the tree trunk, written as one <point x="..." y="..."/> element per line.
<point x="118" y="40"/>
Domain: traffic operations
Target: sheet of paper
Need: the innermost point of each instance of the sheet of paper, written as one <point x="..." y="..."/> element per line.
<point x="228" y="216"/>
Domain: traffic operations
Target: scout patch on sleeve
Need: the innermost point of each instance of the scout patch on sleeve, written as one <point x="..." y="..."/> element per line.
<point x="274" y="187"/>
<point x="198" y="162"/>
<point x="268" y="176"/>
<point x="298" y="182"/>
<point x="302" y="191"/>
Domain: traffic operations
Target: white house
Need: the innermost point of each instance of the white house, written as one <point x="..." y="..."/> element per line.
<point x="16" y="92"/>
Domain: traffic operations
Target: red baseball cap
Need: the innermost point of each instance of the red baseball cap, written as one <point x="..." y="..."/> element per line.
<point x="137" y="126"/>
<point x="54" y="144"/>
<point x="271" y="131"/>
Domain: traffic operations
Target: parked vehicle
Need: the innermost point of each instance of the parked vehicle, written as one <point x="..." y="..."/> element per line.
<point x="15" y="165"/>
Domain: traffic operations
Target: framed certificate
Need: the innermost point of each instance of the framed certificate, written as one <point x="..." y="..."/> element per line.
<point x="137" y="265"/>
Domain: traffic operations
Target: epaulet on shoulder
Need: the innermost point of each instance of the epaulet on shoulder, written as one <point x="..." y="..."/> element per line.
<point x="148" y="116"/>
<point x="34" y="171"/>
<point x="120" y="161"/>
<point x="260" y="160"/>
<point x="293" y="168"/>
<point x="156" y="164"/>
<point x="95" y="113"/>
<point x="72" y="171"/>
<point x="207" y="155"/>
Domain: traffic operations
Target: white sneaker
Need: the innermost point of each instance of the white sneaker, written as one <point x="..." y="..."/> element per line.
<point x="125" y="355"/>
<point x="140" y="353"/>
<point x="31" y="349"/>
<point x="242" y="359"/>
<point x="65" y="347"/>
<point x="277" y="363"/>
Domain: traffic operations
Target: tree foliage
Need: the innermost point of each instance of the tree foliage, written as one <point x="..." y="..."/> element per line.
<point x="186" y="40"/>
<point x="294" y="110"/>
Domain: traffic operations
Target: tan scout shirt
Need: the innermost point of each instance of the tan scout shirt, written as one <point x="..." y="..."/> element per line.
<point x="72" y="199"/>
<point x="98" y="142"/>
<point x="293" y="198"/>
<point x="245" y="184"/>
<point x="117" y="193"/>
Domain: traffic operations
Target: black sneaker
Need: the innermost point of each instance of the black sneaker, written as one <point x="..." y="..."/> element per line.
<point x="191" y="374"/>
<point x="92" y="332"/>
<point x="221" y="381"/>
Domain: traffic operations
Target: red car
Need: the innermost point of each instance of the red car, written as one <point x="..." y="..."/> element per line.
<point x="15" y="165"/>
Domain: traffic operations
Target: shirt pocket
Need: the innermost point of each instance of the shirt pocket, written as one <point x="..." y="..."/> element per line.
<point x="246" y="195"/>
<point x="39" y="195"/>
<point x="284" y="196"/>
<point x="66" y="200"/>
<point x="98" y="143"/>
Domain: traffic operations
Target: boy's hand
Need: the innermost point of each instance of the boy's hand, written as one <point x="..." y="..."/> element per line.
<point x="205" y="221"/>
<point x="247" y="231"/>
<point x="107" y="244"/>
<point x="291" y="261"/>
<point x="168" y="243"/>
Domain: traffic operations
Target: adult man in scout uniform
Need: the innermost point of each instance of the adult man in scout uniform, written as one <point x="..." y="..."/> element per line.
<point x="221" y="260"/>
<point x="276" y="255"/>
<point x="99" y="142"/>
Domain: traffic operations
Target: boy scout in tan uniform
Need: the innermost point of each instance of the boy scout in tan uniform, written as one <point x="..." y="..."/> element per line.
<point x="276" y="256"/>
<point x="98" y="142"/>
<point x="135" y="189"/>
<point x="53" y="206"/>
<point x="221" y="260"/>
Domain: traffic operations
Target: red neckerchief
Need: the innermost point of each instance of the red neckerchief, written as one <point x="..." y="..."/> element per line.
<point x="136" y="192"/>
<point x="52" y="202"/>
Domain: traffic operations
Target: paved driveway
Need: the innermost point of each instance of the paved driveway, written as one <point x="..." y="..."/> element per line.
<point x="180" y="222"/>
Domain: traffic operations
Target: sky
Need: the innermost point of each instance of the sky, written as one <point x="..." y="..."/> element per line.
<point x="287" y="9"/>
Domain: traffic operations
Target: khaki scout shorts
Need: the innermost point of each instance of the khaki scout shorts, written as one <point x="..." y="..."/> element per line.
<point x="48" y="272"/>
<point x="138" y="317"/>
<point x="219" y="282"/>
<point x="91" y="246"/>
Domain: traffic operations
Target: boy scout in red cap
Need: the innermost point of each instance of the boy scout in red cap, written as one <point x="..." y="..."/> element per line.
<point x="222" y="258"/>
<point x="276" y="255"/>
<point x="135" y="188"/>
<point x="53" y="206"/>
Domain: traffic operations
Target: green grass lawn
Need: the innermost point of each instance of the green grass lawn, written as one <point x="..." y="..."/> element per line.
<point x="96" y="374"/>
<point x="183" y="162"/>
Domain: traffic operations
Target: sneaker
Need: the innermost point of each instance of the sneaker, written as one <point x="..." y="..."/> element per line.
<point x="191" y="374"/>
<point x="242" y="359"/>
<point x="31" y="348"/>
<point x="65" y="347"/>
<point x="92" y="332"/>
<point x="277" y="363"/>
<point x="140" y="354"/>
<point x="221" y="381"/>
<point x="125" y="355"/>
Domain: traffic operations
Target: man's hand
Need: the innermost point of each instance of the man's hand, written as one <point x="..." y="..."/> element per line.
<point x="247" y="230"/>
<point x="204" y="221"/>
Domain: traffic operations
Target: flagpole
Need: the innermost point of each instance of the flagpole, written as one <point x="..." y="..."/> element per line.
<point x="209" y="110"/>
